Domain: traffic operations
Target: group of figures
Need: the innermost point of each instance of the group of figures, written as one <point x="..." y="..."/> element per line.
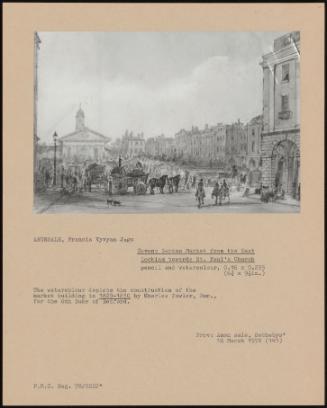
<point x="75" y="181"/>
<point x="143" y="178"/>
<point x="220" y="193"/>
<point x="68" y="179"/>
<point x="277" y="193"/>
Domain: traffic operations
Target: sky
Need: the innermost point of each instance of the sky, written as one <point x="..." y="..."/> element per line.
<point x="148" y="82"/>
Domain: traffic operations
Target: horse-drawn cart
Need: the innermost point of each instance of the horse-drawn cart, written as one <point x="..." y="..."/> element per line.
<point x="122" y="180"/>
<point x="137" y="180"/>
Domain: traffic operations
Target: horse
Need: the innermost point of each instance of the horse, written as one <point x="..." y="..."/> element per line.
<point x="173" y="183"/>
<point x="158" y="182"/>
<point x="223" y="194"/>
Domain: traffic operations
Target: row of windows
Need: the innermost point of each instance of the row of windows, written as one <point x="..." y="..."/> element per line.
<point x="136" y="149"/>
<point x="221" y="149"/>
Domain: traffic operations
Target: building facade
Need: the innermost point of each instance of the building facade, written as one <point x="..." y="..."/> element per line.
<point x="160" y="147"/>
<point x="202" y="146"/>
<point x="281" y="115"/>
<point x="236" y="145"/>
<point x="219" y="145"/>
<point x="82" y="146"/>
<point x="132" y="146"/>
<point x="151" y="147"/>
<point x="253" y="132"/>
<point x="181" y="144"/>
<point x="165" y="147"/>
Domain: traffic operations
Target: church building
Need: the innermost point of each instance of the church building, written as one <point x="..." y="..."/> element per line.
<point x="84" y="145"/>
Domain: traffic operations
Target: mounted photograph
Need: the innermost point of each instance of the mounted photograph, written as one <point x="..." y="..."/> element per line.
<point x="166" y="122"/>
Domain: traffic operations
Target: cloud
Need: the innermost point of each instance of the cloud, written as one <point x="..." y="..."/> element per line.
<point x="218" y="89"/>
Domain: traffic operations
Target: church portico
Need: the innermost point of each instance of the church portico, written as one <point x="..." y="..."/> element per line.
<point x="84" y="145"/>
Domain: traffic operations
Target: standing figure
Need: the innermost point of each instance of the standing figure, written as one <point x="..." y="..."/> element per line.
<point x="194" y="181"/>
<point x="74" y="182"/>
<point x="86" y="181"/>
<point x="110" y="185"/>
<point x="170" y="185"/>
<point x="47" y="178"/>
<point x="62" y="176"/>
<point x="200" y="193"/>
<point x="89" y="182"/>
<point x="215" y="193"/>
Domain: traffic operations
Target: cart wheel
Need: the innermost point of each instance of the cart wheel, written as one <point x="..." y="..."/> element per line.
<point x="140" y="189"/>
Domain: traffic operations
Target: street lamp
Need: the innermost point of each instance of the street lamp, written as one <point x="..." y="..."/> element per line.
<point x="55" y="159"/>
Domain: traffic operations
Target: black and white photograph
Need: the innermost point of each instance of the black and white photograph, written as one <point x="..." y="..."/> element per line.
<point x="164" y="204"/>
<point x="166" y="122"/>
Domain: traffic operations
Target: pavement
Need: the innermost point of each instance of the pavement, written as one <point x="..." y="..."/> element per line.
<point x="54" y="201"/>
<point x="285" y="201"/>
<point x="44" y="200"/>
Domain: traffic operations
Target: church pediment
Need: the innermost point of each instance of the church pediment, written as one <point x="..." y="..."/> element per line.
<point x="85" y="135"/>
